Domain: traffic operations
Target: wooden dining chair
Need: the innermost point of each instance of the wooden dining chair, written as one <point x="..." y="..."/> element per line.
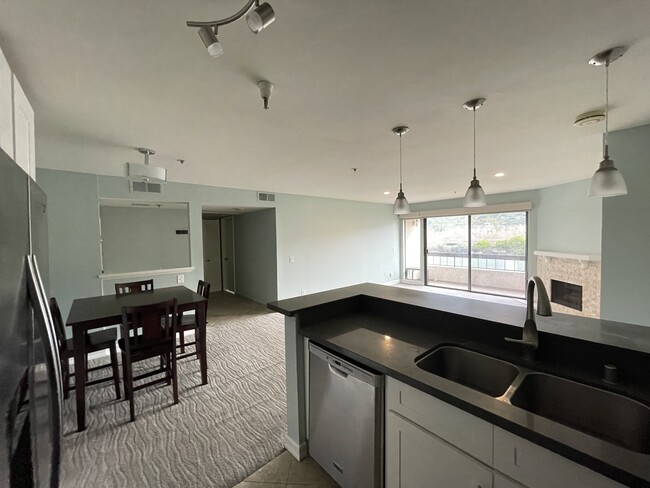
<point x="187" y="321"/>
<point x="154" y="335"/>
<point x="133" y="287"/>
<point x="95" y="341"/>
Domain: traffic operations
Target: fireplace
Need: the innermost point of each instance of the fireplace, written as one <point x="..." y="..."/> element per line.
<point x="572" y="280"/>
<point x="567" y="294"/>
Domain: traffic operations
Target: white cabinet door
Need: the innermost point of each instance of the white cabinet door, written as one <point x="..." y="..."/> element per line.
<point x="24" y="131"/>
<point x="537" y="467"/>
<point x="415" y="458"/>
<point x="501" y="481"/>
<point x="457" y="427"/>
<point x="6" y="108"/>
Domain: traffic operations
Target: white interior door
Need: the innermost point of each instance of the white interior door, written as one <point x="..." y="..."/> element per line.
<point x="228" y="253"/>
<point x="212" y="254"/>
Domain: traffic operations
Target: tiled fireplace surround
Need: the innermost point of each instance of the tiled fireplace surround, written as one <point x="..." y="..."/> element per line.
<point x="585" y="273"/>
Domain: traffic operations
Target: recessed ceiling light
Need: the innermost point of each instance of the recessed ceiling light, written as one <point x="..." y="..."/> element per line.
<point x="386" y="193"/>
<point x="499" y="174"/>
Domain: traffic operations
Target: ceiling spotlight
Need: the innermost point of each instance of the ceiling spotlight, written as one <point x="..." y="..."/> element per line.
<point x="386" y="193"/>
<point x="260" y="17"/>
<point x="500" y="174"/>
<point x="607" y="181"/>
<point x="266" y="87"/>
<point x="211" y="41"/>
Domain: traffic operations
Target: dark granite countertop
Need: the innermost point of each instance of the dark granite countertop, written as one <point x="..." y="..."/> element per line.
<point x="390" y="344"/>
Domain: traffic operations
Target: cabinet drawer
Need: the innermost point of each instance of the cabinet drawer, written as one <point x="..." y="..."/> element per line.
<point x="415" y="458"/>
<point x="465" y="431"/>
<point x="537" y="467"/>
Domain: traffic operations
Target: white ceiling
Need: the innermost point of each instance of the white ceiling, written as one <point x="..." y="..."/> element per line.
<point x="107" y="76"/>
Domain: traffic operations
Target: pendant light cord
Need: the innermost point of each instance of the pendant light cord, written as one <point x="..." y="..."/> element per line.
<point x="474" y="110"/>
<point x="606" y="148"/>
<point x="400" y="162"/>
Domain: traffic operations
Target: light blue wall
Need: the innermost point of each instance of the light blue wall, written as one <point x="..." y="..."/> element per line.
<point x="256" y="273"/>
<point x="73" y="235"/>
<point x="625" y="282"/>
<point x="334" y="242"/>
<point x="569" y="221"/>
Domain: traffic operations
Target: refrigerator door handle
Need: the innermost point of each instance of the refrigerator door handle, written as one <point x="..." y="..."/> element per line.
<point x="42" y="314"/>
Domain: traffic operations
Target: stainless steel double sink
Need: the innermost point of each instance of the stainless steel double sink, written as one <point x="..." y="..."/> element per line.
<point x="604" y="414"/>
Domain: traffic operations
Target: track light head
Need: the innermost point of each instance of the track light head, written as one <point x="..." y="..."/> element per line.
<point x="211" y="41"/>
<point x="260" y="18"/>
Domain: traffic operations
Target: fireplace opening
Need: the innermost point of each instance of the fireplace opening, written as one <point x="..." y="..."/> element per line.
<point x="566" y="294"/>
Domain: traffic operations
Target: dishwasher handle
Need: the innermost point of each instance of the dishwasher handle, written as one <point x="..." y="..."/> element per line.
<point x="338" y="372"/>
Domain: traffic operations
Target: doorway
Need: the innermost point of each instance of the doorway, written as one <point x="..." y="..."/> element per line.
<point x="228" y="254"/>
<point x="212" y="253"/>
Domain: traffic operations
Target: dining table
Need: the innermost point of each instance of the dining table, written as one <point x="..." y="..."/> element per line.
<point x="106" y="310"/>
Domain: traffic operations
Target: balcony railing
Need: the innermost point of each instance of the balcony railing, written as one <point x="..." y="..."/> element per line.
<point x="492" y="261"/>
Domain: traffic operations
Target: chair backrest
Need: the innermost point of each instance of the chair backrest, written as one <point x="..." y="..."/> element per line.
<point x="150" y="323"/>
<point x="203" y="289"/>
<point x="133" y="287"/>
<point x="59" y="326"/>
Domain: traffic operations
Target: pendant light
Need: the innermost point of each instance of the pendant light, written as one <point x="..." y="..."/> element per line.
<point x="607" y="181"/>
<point x="475" y="196"/>
<point x="401" y="205"/>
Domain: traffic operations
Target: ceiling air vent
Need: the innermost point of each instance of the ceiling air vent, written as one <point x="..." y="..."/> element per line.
<point x="145" y="187"/>
<point x="265" y="197"/>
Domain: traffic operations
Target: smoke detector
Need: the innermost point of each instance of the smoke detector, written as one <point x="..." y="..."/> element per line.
<point x="144" y="172"/>
<point x="589" y="118"/>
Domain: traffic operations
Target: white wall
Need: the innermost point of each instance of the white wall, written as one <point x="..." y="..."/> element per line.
<point x="136" y="239"/>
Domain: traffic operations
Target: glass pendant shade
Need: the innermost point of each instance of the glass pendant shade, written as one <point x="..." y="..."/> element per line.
<point x="401" y="205"/>
<point x="475" y="196"/>
<point x="607" y="181"/>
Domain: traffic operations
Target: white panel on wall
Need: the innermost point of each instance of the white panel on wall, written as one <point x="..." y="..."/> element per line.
<point x="24" y="131"/>
<point x="6" y="108"/>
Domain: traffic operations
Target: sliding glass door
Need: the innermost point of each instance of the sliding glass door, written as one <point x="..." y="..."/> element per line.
<point x="483" y="253"/>
<point x="447" y="248"/>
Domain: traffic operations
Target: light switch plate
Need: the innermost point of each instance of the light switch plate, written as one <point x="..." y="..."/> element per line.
<point x="180" y="279"/>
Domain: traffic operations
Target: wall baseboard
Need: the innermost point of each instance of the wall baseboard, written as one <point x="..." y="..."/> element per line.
<point x="298" y="451"/>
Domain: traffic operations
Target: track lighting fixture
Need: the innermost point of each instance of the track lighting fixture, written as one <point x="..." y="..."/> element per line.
<point x="475" y="196"/>
<point x="607" y="181"/>
<point x="401" y="205"/>
<point x="258" y="18"/>
<point x="211" y="41"/>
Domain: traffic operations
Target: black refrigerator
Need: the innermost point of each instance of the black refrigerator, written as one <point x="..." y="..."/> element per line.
<point x="30" y="368"/>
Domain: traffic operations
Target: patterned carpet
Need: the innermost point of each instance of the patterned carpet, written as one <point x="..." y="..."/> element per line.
<point x="216" y="436"/>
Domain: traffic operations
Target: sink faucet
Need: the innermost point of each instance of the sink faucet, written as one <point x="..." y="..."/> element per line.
<point x="530" y="339"/>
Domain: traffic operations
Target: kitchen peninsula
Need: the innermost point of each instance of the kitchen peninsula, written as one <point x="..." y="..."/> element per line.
<point x="389" y="329"/>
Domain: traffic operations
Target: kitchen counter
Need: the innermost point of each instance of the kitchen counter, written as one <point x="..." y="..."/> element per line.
<point x="388" y="328"/>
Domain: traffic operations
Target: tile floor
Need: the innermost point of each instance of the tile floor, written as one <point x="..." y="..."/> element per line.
<point x="285" y="472"/>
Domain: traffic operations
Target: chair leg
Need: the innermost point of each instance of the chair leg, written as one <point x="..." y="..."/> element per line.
<point x="174" y="376"/>
<point x="129" y="382"/>
<point x="182" y="341"/>
<point x="197" y="343"/>
<point x="168" y="369"/>
<point x="125" y="375"/>
<point x="65" y="366"/>
<point x="116" y="372"/>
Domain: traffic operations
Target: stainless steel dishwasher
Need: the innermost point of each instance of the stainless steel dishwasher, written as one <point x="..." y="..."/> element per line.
<point x="346" y="406"/>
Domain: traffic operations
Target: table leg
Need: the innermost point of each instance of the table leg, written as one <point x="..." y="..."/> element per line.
<point x="79" y="344"/>
<point x="201" y="317"/>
